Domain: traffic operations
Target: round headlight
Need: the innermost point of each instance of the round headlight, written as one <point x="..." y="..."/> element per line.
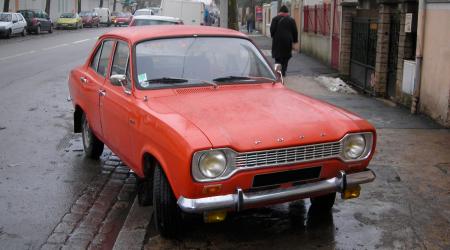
<point x="212" y="164"/>
<point x="354" y="146"/>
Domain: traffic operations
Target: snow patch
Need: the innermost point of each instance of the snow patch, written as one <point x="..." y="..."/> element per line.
<point x="335" y="84"/>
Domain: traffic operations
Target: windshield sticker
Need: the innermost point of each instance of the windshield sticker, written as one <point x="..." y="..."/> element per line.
<point x="142" y="77"/>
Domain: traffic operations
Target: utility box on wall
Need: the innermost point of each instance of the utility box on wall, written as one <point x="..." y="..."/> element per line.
<point x="409" y="74"/>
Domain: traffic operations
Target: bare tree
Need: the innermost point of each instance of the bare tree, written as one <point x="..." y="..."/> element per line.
<point x="233" y="15"/>
<point x="47" y="6"/>
<point x="6" y="6"/>
<point x="114" y="5"/>
<point x="79" y="6"/>
<point x="101" y="4"/>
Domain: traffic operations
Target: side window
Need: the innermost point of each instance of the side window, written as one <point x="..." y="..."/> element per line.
<point x="94" y="62"/>
<point x="14" y="18"/>
<point x="121" y="61"/>
<point x="103" y="62"/>
<point x="20" y="18"/>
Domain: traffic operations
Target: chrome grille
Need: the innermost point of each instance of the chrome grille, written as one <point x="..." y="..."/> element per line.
<point x="286" y="156"/>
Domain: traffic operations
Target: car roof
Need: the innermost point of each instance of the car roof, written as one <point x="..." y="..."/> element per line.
<point x="139" y="33"/>
<point x="153" y="17"/>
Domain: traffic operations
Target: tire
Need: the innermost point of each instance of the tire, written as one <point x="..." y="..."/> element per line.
<point x="50" y="29"/>
<point x="38" y="30"/>
<point x="167" y="212"/>
<point x="323" y="203"/>
<point x="8" y="34"/>
<point x="92" y="146"/>
<point x="144" y="188"/>
<point x="24" y="32"/>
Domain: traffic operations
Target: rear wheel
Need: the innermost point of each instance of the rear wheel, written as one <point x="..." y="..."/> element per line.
<point x="24" y="32"/>
<point x="38" y="30"/>
<point x="8" y="34"/>
<point x="93" y="147"/>
<point x="323" y="203"/>
<point x="167" y="212"/>
<point x="50" y="30"/>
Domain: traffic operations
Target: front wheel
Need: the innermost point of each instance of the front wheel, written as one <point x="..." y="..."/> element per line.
<point x="38" y="30"/>
<point x="93" y="147"/>
<point x="24" y="32"/>
<point x="324" y="202"/>
<point x="167" y="212"/>
<point x="50" y="30"/>
<point x="8" y="34"/>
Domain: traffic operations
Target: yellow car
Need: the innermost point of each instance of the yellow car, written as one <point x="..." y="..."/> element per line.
<point x="69" y="20"/>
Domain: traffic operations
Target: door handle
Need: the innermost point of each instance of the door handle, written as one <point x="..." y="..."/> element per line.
<point x="83" y="80"/>
<point x="102" y="92"/>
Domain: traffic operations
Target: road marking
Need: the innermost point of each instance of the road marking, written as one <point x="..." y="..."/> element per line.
<point x="17" y="55"/>
<point x="81" y="41"/>
<point x="57" y="46"/>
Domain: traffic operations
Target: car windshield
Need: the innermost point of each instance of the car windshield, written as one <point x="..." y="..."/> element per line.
<point x="83" y="13"/>
<point x="121" y="14"/>
<point x="142" y="12"/>
<point x="5" y="17"/>
<point x="144" y="22"/>
<point x="199" y="60"/>
<point x="67" y="15"/>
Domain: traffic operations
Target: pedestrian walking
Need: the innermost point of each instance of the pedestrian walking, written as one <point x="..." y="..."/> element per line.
<point x="250" y="21"/>
<point x="283" y="31"/>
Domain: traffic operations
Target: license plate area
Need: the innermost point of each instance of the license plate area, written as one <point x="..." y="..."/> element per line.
<point x="298" y="175"/>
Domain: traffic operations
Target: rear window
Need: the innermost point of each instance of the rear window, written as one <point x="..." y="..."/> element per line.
<point x="26" y="13"/>
<point x="67" y="15"/>
<point x="143" y="12"/>
<point x="144" y="22"/>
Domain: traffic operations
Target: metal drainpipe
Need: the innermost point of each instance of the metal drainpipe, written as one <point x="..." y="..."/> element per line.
<point x="419" y="55"/>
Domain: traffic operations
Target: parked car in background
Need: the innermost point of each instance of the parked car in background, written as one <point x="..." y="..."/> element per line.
<point x="69" y="20"/>
<point x="154" y="20"/>
<point x="122" y="18"/>
<point x="141" y="12"/>
<point x="11" y="24"/>
<point x="208" y="126"/>
<point x="37" y="21"/>
<point x="104" y="15"/>
<point x="192" y="13"/>
<point x="89" y="19"/>
<point x="156" y="10"/>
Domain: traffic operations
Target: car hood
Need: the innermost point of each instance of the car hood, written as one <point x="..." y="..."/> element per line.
<point x="254" y="118"/>
<point x="5" y="24"/>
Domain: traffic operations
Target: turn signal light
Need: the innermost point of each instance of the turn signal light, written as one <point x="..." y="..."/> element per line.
<point x="212" y="189"/>
<point x="213" y="217"/>
<point x="351" y="192"/>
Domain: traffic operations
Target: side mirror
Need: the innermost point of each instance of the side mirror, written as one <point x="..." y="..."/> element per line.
<point x="277" y="68"/>
<point x="120" y="80"/>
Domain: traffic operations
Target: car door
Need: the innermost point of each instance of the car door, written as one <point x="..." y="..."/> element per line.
<point x="92" y="81"/>
<point x="22" y="23"/>
<point x="15" y="24"/>
<point x="115" y="105"/>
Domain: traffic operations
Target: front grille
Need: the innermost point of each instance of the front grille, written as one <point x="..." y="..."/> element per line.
<point x="297" y="175"/>
<point x="286" y="156"/>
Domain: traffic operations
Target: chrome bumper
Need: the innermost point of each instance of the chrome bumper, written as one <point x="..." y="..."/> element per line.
<point x="240" y="200"/>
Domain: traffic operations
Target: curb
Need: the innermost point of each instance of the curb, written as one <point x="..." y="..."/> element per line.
<point x="132" y="234"/>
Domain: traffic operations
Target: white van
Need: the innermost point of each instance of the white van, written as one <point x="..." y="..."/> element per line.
<point x="190" y="12"/>
<point x="104" y="14"/>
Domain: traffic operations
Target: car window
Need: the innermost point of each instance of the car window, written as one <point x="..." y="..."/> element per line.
<point x="14" y="18"/>
<point x="144" y="22"/>
<point x="5" y="17"/>
<point x="120" y="61"/>
<point x="103" y="62"/>
<point x="94" y="62"/>
<point x="20" y="17"/>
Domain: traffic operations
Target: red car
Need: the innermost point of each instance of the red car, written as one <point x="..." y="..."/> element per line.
<point x="90" y="19"/>
<point x="208" y="127"/>
<point x="121" y="18"/>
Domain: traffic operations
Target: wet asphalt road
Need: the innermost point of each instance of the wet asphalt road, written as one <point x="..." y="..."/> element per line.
<point x="41" y="173"/>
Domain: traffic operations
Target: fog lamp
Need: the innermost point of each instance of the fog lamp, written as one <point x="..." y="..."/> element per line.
<point x="351" y="192"/>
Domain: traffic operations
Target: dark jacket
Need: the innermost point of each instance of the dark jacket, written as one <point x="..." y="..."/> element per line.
<point x="284" y="33"/>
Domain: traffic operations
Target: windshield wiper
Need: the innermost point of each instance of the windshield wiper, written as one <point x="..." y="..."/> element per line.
<point x="232" y="78"/>
<point x="166" y="80"/>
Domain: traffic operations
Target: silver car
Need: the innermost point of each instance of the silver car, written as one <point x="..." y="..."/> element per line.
<point x="12" y="23"/>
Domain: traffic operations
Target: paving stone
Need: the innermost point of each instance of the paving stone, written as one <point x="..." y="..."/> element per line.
<point x="65" y="227"/>
<point x="122" y="170"/>
<point x="119" y="176"/>
<point x="76" y="244"/>
<point x="112" y="163"/>
<point x="71" y="217"/>
<point x="114" y="158"/>
<point x="82" y="234"/>
<point x="108" y="168"/>
<point x="49" y="246"/>
<point x="78" y="209"/>
<point x="57" y="238"/>
<point x="130" y="180"/>
<point x="125" y="195"/>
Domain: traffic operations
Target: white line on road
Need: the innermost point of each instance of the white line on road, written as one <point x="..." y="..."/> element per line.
<point x="81" y="41"/>
<point x="57" y="46"/>
<point x="17" y="55"/>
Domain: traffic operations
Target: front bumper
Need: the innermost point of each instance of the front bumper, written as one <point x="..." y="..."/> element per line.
<point x="240" y="200"/>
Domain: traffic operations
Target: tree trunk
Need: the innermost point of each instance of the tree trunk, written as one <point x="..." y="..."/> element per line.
<point x="47" y="7"/>
<point x="232" y="15"/>
<point x="114" y="5"/>
<point x="79" y="6"/>
<point x="6" y="6"/>
<point x="101" y="4"/>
